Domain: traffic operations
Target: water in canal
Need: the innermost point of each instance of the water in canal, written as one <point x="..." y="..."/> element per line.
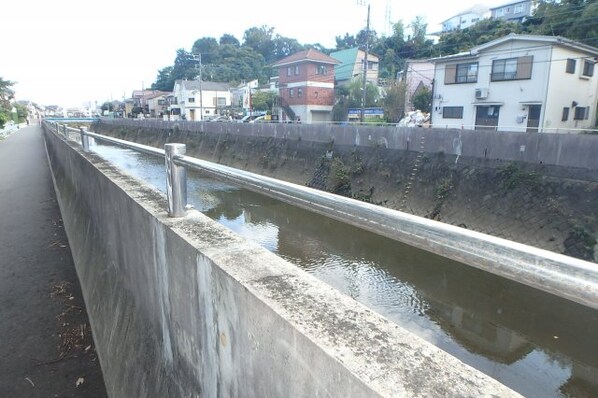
<point x="535" y="343"/>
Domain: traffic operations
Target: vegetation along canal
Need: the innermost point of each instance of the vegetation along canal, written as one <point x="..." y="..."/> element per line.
<point x="535" y="343"/>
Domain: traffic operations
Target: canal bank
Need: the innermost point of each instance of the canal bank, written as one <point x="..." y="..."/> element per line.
<point x="184" y="306"/>
<point x="533" y="342"/>
<point x="550" y="206"/>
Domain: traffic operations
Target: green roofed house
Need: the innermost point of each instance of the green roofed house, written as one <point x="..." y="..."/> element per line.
<point x="351" y="66"/>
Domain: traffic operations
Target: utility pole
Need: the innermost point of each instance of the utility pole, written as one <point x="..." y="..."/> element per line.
<point x="198" y="58"/>
<point x="365" y="65"/>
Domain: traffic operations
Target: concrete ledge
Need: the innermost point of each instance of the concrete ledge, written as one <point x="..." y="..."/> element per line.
<point x="184" y="307"/>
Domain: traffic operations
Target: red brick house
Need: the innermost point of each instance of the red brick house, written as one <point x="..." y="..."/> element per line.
<point x="306" y="86"/>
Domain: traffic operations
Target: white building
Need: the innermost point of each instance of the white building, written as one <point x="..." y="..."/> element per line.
<point x="466" y="18"/>
<point x="518" y="83"/>
<point x="515" y="11"/>
<point x="199" y="101"/>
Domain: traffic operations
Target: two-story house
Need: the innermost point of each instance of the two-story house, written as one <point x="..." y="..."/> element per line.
<point x="466" y="18"/>
<point x="516" y="11"/>
<point x="157" y="105"/>
<point x="518" y="83"/>
<point x="351" y="66"/>
<point x="306" y="86"/>
<point x="195" y="100"/>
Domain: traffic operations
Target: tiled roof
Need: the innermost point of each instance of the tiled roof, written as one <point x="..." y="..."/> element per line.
<point x="306" y="55"/>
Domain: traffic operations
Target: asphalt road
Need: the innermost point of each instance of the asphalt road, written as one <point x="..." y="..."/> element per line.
<point x="46" y="348"/>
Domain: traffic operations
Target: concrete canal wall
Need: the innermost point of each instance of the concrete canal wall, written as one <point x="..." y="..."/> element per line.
<point x="536" y="189"/>
<point x="184" y="307"/>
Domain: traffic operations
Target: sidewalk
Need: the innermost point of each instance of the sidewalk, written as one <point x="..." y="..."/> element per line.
<point x="46" y="346"/>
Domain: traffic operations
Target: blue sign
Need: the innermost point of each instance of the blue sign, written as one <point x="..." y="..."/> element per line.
<point x="367" y="112"/>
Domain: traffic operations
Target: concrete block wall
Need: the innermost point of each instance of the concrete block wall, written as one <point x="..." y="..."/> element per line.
<point x="186" y="308"/>
<point x="568" y="150"/>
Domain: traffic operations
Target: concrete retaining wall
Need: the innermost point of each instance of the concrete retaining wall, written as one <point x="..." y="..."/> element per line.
<point x="569" y="150"/>
<point x="185" y="308"/>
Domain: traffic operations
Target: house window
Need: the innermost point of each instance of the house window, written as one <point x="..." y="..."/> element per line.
<point x="220" y="101"/>
<point x="291" y="92"/>
<point x="289" y="70"/>
<point x="588" y="68"/>
<point x="518" y="8"/>
<point x="581" y="113"/>
<point x="571" y="65"/>
<point x="467" y="73"/>
<point x="321" y="70"/>
<point x="461" y="73"/>
<point x="452" y="112"/>
<point x="299" y="92"/>
<point x="191" y="99"/>
<point x="512" y="68"/>
<point x="297" y="70"/>
<point x="161" y="102"/>
<point x="565" y="114"/>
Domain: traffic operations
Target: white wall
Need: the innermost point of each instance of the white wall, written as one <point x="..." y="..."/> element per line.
<point x="564" y="88"/>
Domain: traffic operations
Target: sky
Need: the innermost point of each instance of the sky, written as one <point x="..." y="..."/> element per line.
<point x="71" y="53"/>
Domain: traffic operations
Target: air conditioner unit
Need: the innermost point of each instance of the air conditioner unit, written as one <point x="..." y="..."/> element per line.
<point x="481" y="93"/>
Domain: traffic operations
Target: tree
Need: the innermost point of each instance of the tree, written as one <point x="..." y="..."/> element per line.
<point x="284" y="46"/>
<point x="372" y="95"/>
<point x="22" y="112"/>
<point x="351" y="96"/>
<point x="236" y="64"/>
<point x="6" y="96"/>
<point x="165" y="80"/>
<point x="262" y="100"/>
<point x="422" y="99"/>
<point x="394" y="101"/>
<point x="6" y="93"/>
<point x="475" y="35"/>
<point x="229" y="39"/>
<point x="260" y="39"/>
<point x="185" y="66"/>
<point x="3" y="118"/>
<point x="585" y="28"/>
<point x="207" y="47"/>
<point x="345" y="42"/>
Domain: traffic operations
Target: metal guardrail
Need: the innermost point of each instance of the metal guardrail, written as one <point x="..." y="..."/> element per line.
<point x="557" y="274"/>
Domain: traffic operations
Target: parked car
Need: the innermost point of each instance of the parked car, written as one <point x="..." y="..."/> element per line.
<point x="259" y="119"/>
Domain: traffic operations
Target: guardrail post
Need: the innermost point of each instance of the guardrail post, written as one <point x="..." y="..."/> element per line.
<point x="176" y="181"/>
<point x="65" y="131"/>
<point x="84" y="139"/>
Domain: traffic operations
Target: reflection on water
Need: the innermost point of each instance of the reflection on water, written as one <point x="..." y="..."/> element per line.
<point x="537" y="344"/>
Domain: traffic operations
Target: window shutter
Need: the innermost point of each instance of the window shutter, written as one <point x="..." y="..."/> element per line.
<point x="450" y="74"/>
<point x="524" y="67"/>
